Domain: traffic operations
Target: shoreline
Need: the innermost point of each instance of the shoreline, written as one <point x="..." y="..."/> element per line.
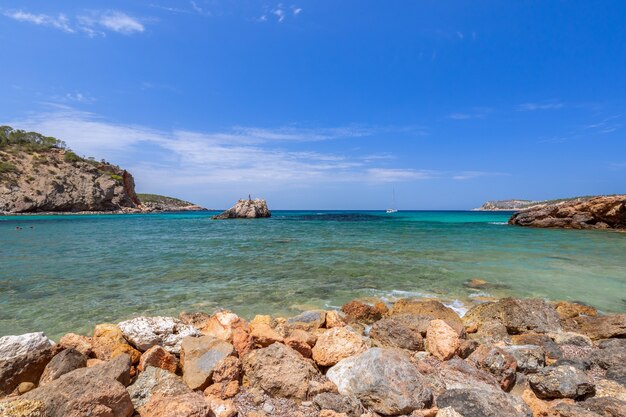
<point x="411" y="357"/>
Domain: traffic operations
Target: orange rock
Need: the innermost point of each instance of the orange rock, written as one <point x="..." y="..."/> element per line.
<point x="223" y="390"/>
<point x="108" y="342"/>
<point x="358" y="311"/>
<point x="569" y="310"/>
<point x="242" y="341"/>
<point x="227" y="370"/>
<point x="93" y="362"/>
<point x="221" y="324"/>
<point x="183" y="405"/>
<point x="299" y="345"/>
<point x="331" y="413"/>
<point x="158" y="357"/>
<point x="263" y="335"/>
<point x="442" y="340"/>
<point x="336" y="344"/>
<point x="333" y="319"/>
<point x="83" y="344"/>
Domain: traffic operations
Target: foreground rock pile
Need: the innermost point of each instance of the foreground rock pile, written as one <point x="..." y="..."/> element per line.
<point x="414" y="358"/>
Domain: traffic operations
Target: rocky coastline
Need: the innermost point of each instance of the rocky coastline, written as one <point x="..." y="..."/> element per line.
<point x="415" y="357"/>
<point x="246" y="209"/>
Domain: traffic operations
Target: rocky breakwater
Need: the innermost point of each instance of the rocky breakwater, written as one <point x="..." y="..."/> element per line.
<point x="415" y="358"/>
<point x="246" y="209"/>
<point x="604" y="212"/>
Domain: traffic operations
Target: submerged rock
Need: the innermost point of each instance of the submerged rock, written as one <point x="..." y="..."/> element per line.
<point x="384" y="380"/>
<point x="246" y="209"/>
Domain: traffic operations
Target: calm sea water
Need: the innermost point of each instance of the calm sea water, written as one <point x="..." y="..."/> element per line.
<point x="67" y="273"/>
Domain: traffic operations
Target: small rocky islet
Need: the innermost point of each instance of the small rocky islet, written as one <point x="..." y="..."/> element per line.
<point x="415" y="357"/>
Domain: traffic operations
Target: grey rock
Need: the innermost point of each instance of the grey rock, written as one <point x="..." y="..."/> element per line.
<point x="200" y="356"/>
<point x="479" y="403"/>
<point x="517" y="315"/>
<point x="155" y="380"/>
<point x="401" y="331"/>
<point x="529" y="358"/>
<point x="384" y="380"/>
<point x="26" y="367"/>
<point x="561" y="382"/>
<point x="308" y="320"/>
<point x="145" y="332"/>
<point x="246" y="209"/>
<point x="15" y="346"/>
<point x="605" y="406"/>
<point x="339" y="403"/>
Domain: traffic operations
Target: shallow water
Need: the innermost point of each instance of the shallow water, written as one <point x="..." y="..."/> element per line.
<point x="67" y="273"/>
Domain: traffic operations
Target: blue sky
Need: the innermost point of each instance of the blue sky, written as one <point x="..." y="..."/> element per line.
<point x="325" y="104"/>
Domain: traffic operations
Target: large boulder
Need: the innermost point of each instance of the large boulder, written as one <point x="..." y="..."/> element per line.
<point x="402" y="331"/>
<point x="598" y="327"/>
<point x="581" y="213"/>
<point x="529" y="358"/>
<point x="384" y="380"/>
<point x="158" y="357"/>
<point x="145" y="332"/>
<point x="64" y="362"/>
<point x="561" y="382"/>
<point x="442" y="340"/>
<point x="155" y="381"/>
<point x="199" y="357"/>
<point x="518" y="316"/>
<point x="605" y="406"/>
<point x="15" y="346"/>
<point x="336" y="344"/>
<point x="308" y="320"/>
<point x="279" y="371"/>
<point x="496" y="361"/>
<point x="358" y="311"/>
<point x="26" y="367"/>
<point x="478" y="403"/>
<point x="246" y="209"/>
<point x="93" y="392"/>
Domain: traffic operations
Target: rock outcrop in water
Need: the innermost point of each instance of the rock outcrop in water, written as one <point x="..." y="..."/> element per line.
<point x="604" y="212"/>
<point x="246" y="209"/>
<point x="511" y="357"/>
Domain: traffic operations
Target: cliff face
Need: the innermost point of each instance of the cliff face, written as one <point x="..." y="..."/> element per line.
<point x="605" y="212"/>
<point x="56" y="180"/>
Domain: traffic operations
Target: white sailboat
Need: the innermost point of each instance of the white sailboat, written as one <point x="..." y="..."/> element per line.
<point x="394" y="209"/>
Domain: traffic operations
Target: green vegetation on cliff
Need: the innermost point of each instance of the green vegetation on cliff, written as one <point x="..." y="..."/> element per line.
<point x="28" y="141"/>
<point x="161" y="199"/>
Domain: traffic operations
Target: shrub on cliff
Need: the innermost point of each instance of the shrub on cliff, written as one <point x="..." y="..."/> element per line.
<point x="28" y="141"/>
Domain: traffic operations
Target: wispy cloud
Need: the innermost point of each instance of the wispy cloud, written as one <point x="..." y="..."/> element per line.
<point x="475" y="113"/>
<point x="546" y="105"/>
<point x="239" y="155"/>
<point x="93" y="23"/>
<point x="469" y="175"/>
<point x="279" y="13"/>
<point x="606" y="125"/>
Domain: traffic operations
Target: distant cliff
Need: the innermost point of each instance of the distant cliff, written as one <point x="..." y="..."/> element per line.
<point x="602" y="212"/>
<point x="505" y="205"/>
<point x="155" y="202"/>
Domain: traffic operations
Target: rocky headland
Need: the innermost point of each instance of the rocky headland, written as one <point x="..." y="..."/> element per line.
<point x="602" y="212"/>
<point x="39" y="174"/>
<point x="246" y="209"/>
<point x="415" y="357"/>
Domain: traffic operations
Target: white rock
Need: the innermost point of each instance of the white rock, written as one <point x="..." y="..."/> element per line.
<point x="14" y="346"/>
<point x="447" y="412"/>
<point x="168" y="332"/>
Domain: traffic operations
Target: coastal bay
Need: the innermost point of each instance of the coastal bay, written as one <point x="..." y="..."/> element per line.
<point x="68" y="273"/>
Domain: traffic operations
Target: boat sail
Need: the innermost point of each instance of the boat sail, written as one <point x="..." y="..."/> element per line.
<point x="393" y="209"/>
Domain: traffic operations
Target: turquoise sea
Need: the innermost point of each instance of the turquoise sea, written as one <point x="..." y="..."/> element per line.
<point x="67" y="273"/>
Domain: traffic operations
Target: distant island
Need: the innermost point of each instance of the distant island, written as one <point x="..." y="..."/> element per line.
<point x="518" y="204"/>
<point x="41" y="174"/>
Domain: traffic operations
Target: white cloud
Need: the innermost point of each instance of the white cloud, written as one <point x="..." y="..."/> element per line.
<point x="60" y="21"/>
<point x="95" y="23"/>
<point x="540" y="106"/>
<point x="237" y="156"/>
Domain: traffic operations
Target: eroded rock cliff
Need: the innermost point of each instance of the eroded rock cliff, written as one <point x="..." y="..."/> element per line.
<point x="604" y="212"/>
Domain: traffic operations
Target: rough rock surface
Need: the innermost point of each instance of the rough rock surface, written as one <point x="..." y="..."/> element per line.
<point x="308" y="320"/>
<point x="431" y="309"/>
<point x="27" y="367"/>
<point x="154" y="381"/>
<point x="64" y="362"/>
<point x="145" y="332"/>
<point x="442" y="340"/>
<point x="279" y="371"/>
<point x="497" y="362"/>
<point x="598" y="327"/>
<point x="84" y="392"/>
<point x="478" y="403"/>
<point x="190" y="404"/>
<point x="338" y="403"/>
<point x="561" y="382"/>
<point x="529" y="358"/>
<point x="517" y="315"/>
<point x="200" y="356"/>
<point x="83" y="344"/>
<point x="22" y="408"/>
<point x="45" y="181"/>
<point x="246" y="209"/>
<point x="362" y="312"/>
<point x="594" y="213"/>
<point x="384" y="380"/>
<point x="158" y="357"/>
<point x="402" y="331"/>
<point x="108" y="342"/>
<point x="14" y="346"/>
<point x="336" y="344"/>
